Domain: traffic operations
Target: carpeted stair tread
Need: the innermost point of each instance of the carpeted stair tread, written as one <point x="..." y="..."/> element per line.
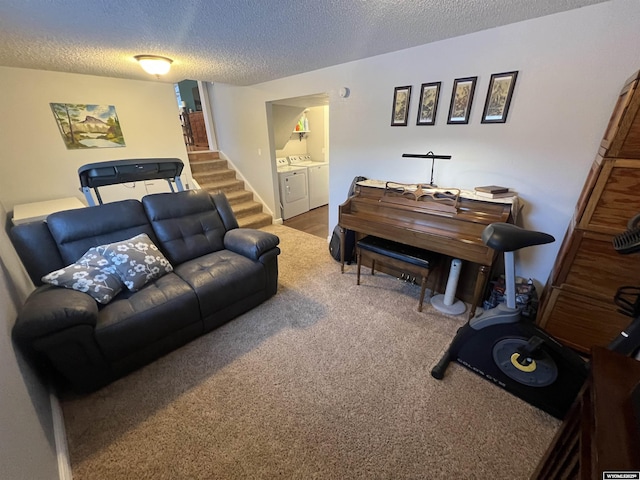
<point x="257" y="220"/>
<point x="238" y="196"/>
<point x="227" y="185"/>
<point x="203" y="155"/>
<point x="246" y="208"/>
<point x="204" y="166"/>
<point x="213" y="176"/>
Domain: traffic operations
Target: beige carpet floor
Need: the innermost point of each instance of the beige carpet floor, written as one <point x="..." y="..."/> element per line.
<point x="326" y="380"/>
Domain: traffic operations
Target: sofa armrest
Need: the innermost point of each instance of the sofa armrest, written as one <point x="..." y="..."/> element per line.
<point x="250" y="242"/>
<point x="55" y="329"/>
<point x="50" y="309"/>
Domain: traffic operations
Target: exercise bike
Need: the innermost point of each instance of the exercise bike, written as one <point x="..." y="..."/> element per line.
<point x="515" y="354"/>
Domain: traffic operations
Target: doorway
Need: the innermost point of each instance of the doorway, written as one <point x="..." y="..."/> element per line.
<point x="299" y="132"/>
<point x="314" y="222"/>
<point x="194" y="113"/>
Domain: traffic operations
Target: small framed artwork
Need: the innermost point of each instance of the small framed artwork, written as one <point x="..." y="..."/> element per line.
<point x="401" y="99"/>
<point x="429" y="94"/>
<point x="496" y="106"/>
<point x="461" y="100"/>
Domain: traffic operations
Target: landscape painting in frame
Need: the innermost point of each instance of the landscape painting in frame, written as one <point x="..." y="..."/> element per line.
<point x="88" y="126"/>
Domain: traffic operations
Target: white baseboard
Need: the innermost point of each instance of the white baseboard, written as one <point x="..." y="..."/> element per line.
<point x="60" y="437"/>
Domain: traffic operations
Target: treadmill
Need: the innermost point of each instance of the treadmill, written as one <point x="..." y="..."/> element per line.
<point x="101" y="174"/>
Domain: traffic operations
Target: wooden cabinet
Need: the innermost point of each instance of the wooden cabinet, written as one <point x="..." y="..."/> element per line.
<point x="622" y="136"/>
<point x="198" y="129"/>
<point x="194" y="129"/>
<point x="577" y="303"/>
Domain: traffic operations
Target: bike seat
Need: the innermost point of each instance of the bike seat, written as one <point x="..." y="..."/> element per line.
<point x="506" y="237"/>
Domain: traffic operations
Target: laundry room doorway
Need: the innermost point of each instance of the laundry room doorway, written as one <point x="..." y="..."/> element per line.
<point x="299" y="134"/>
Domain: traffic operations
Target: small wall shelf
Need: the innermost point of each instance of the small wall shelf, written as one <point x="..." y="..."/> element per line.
<point x="301" y="133"/>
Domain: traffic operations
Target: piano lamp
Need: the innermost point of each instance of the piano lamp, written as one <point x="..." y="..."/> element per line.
<point x="154" y="65"/>
<point x="430" y="155"/>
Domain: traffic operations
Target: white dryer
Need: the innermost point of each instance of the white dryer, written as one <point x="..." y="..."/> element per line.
<point x="294" y="189"/>
<point x="318" y="174"/>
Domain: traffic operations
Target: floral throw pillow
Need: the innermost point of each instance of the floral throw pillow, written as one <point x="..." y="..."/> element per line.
<point x="92" y="274"/>
<point x="137" y="260"/>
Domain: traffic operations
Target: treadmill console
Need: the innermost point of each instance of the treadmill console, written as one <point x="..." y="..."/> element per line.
<point x="94" y="175"/>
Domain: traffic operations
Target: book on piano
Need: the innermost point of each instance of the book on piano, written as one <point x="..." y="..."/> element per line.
<point x="506" y="194"/>
<point x="491" y="189"/>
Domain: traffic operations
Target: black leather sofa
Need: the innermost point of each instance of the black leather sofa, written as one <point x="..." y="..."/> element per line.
<point x="216" y="271"/>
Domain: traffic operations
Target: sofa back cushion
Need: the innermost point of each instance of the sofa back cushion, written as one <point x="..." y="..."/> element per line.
<point x="189" y="224"/>
<point x="76" y="231"/>
<point x="37" y="249"/>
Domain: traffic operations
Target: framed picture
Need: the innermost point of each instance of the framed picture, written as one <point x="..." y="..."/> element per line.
<point x="496" y="106"/>
<point x="88" y="126"/>
<point x="401" y="99"/>
<point x="461" y="100"/>
<point x="429" y="94"/>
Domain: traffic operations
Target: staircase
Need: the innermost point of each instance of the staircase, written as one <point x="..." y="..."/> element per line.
<point x="214" y="175"/>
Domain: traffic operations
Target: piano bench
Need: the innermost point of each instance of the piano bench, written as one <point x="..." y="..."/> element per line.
<point x="397" y="255"/>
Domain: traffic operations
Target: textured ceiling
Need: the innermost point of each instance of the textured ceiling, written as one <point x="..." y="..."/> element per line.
<point x="241" y="42"/>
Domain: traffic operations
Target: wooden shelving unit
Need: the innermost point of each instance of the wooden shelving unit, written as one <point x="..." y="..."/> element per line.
<point x="577" y="304"/>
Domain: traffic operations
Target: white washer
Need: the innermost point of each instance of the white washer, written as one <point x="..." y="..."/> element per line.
<point x="294" y="189"/>
<point x="318" y="179"/>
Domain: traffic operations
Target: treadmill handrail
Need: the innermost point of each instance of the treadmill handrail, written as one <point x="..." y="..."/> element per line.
<point x="94" y="175"/>
<point x="129" y="170"/>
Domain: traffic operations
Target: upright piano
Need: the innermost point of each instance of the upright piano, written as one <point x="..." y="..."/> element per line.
<point x="454" y="232"/>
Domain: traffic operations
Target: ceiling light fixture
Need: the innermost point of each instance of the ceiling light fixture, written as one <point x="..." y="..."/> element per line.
<point x="154" y="65"/>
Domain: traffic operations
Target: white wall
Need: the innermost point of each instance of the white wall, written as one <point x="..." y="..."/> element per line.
<point x="294" y="146"/>
<point x="241" y="120"/>
<point x="571" y="67"/>
<point x="316" y="146"/>
<point x="27" y="446"/>
<point x="312" y="143"/>
<point x="36" y="164"/>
